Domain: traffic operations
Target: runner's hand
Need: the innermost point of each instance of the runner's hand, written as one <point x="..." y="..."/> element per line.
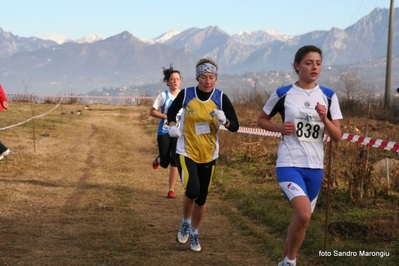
<point x="174" y="132"/>
<point x="220" y="116"/>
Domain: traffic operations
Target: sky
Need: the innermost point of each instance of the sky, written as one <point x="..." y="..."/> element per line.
<point x="74" y="19"/>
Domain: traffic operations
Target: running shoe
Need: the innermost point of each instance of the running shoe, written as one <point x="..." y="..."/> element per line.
<point x="5" y="154"/>
<point x="195" y="246"/>
<point x="286" y="263"/>
<point x="184" y="231"/>
<point x="171" y="194"/>
<point x="156" y="162"/>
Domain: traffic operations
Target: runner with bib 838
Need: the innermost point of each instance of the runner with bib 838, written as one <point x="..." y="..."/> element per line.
<point x="307" y="110"/>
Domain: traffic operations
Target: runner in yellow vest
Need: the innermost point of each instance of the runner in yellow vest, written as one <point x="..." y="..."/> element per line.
<point x="205" y="108"/>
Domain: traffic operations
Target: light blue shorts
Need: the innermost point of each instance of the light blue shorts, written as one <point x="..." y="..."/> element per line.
<point x="295" y="181"/>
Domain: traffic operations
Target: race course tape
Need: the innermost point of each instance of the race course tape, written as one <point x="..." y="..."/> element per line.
<point x="366" y="141"/>
<point x="25" y="97"/>
<point x="376" y="143"/>
<point x="38" y="116"/>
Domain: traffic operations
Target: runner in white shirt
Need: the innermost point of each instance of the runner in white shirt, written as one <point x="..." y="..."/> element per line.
<point x="308" y="110"/>
<point x="167" y="144"/>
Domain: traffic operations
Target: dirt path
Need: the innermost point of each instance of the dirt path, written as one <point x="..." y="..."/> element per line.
<point x="89" y="196"/>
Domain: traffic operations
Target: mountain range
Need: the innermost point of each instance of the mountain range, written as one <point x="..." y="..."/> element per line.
<point x="33" y="65"/>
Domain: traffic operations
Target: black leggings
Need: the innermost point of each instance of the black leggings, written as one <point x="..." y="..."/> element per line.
<point x="196" y="178"/>
<point x="2" y="148"/>
<point x="167" y="150"/>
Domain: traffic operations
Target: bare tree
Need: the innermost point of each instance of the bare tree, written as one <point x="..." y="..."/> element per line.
<point x="26" y="85"/>
<point x="353" y="87"/>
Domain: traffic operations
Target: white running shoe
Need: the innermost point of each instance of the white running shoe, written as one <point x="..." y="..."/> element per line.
<point x="195" y="246"/>
<point x="286" y="263"/>
<point x="184" y="231"/>
<point x="6" y="153"/>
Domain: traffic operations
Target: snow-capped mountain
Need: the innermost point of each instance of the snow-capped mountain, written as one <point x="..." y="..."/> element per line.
<point x="260" y="37"/>
<point x="90" y="39"/>
<point x="161" y="38"/>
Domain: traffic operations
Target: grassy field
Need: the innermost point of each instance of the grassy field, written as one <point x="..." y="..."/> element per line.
<point x="69" y="198"/>
<point x="88" y="195"/>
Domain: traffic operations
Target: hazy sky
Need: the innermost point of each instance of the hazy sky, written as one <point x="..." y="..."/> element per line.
<point x="74" y="19"/>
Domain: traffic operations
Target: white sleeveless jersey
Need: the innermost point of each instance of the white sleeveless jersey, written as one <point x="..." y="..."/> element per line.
<point x="304" y="148"/>
<point x="162" y="103"/>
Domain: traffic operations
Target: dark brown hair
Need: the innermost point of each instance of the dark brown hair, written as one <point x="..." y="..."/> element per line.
<point x="169" y="71"/>
<point x="304" y="50"/>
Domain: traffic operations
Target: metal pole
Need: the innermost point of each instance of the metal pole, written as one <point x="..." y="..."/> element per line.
<point x="34" y="135"/>
<point x="62" y="108"/>
<point x="328" y="197"/>
<point x="389" y="56"/>
<point x="388" y="172"/>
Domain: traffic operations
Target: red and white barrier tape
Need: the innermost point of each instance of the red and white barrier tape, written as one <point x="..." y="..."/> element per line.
<point x="366" y="141"/>
<point x="376" y="143"/>
<point x="25" y="97"/>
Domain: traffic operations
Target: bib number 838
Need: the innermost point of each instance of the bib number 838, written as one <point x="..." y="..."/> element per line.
<point x="307" y="130"/>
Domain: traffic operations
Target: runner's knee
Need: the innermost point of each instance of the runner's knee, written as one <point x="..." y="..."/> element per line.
<point x="192" y="193"/>
<point x="200" y="201"/>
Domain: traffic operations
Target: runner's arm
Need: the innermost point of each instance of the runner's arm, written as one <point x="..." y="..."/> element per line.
<point x="228" y="109"/>
<point x="175" y="108"/>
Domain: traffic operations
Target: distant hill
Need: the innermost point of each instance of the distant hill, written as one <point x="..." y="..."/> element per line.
<point x="42" y="66"/>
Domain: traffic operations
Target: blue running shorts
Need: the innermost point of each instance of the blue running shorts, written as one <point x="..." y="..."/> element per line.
<point x="295" y="181"/>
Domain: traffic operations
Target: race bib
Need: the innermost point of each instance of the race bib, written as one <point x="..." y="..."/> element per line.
<point x="202" y="128"/>
<point x="165" y="125"/>
<point x="308" y="127"/>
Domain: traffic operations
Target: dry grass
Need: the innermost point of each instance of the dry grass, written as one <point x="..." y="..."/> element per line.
<point x="89" y="196"/>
